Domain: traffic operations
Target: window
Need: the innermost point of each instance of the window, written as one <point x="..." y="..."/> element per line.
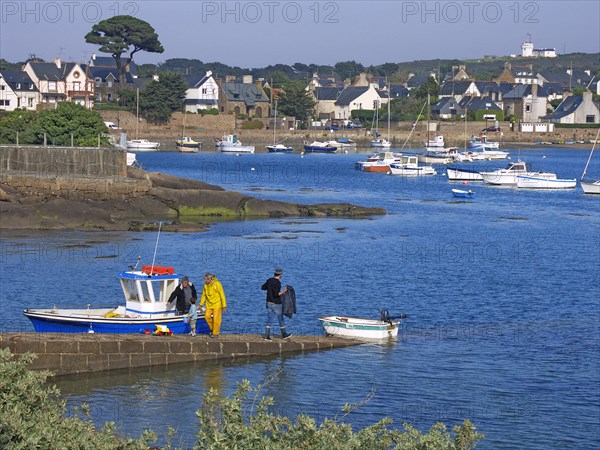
<point x="204" y="91"/>
<point x="30" y="102"/>
<point x="2" y="87"/>
<point x="4" y="102"/>
<point x="590" y="119"/>
<point x="98" y="81"/>
<point x="109" y="83"/>
<point x="18" y="86"/>
<point x="51" y="85"/>
<point x="109" y="97"/>
<point x="527" y="108"/>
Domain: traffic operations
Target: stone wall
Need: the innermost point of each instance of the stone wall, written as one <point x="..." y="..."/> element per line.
<point x="76" y="188"/>
<point x="65" y="354"/>
<point x="63" y="161"/>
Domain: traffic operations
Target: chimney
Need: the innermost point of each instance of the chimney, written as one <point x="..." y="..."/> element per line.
<point x="229" y="79"/>
<point x="208" y="73"/>
<point x="155" y="77"/>
<point x="58" y="63"/>
<point x="534" y="90"/>
<point x="247" y="79"/>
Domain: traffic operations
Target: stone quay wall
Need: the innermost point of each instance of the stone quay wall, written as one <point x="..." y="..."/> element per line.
<point x="67" y="354"/>
<point x="64" y="161"/>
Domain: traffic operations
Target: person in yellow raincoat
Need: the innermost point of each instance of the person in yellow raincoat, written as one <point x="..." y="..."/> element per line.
<point x="216" y="303"/>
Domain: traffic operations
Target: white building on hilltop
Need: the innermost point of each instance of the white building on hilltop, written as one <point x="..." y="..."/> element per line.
<point x="528" y="51"/>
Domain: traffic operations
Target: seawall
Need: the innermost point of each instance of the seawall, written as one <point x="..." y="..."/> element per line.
<point x="67" y="354"/>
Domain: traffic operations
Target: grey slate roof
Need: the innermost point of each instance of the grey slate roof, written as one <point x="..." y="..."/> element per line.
<point x="349" y="94"/>
<point x="455" y="87"/>
<point x="447" y="105"/>
<point x="398" y="90"/>
<point x="483" y="104"/>
<point x="15" y="77"/>
<point x="524" y="90"/>
<point x="109" y="61"/>
<point x="194" y="81"/>
<point x="250" y="94"/>
<point x="417" y="81"/>
<point x="567" y="107"/>
<point x="104" y="72"/>
<point x="49" y="71"/>
<point x="327" y="93"/>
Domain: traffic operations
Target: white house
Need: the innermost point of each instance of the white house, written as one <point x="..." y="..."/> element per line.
<point x="202" y="93"/>
<point x="576" y="109"/>
<point x="353" y="98"/>
<point x="17" y="91"/>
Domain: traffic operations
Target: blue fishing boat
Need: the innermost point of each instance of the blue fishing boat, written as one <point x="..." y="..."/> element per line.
<point x="463" y="194"/>
<point x="146" y="309"/>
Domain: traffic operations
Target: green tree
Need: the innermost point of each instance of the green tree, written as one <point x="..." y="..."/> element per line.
<point x="349" y="69"/>
<point x="121" y="34"/>
<point x="430" y="87"/>
<point x="296" y="101"/>
<point x="58" y="124"/>
<point x="160" y="98"/>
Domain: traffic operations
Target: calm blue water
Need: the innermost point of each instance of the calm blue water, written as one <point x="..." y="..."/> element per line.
<point x="503" y="293"/>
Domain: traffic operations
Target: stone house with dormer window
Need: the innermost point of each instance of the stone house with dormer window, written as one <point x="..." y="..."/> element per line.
<point x="243" y="97"/>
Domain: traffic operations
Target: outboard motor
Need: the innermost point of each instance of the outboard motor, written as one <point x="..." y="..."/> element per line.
<point x="385" y="316"/>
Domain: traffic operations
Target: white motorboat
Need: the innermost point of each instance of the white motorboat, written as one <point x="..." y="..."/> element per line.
<point x="355" y="327"/>
<point x="231" y="144"/>
<point x="381" y="143"/>
<point x="545" y="181"/>
<point x="142" y="145"/>
<point x="379" y="162"/>
<point x="409" y="167"/>
<point x="483" y="149"/>
<point x="187" y="145"/>
<point x="508" y="175"/>
<point x="436" y="143"/>
<point x="463" y="174"/>
<point x="439" y="155"/>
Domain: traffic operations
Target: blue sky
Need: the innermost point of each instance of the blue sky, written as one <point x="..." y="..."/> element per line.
<point x="259" y="33"/>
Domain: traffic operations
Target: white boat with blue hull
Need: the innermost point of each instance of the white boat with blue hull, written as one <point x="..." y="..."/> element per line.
<point x="146" y="308"/>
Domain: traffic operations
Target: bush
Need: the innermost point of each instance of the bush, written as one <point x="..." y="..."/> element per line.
<point x="208" y="112"/>
<point x="33" y="416"/>
<point x="253" y="125"/>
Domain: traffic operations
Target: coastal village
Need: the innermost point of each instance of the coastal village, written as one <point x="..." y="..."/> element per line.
<point x="428" y="232"/>
<point x="520" y="95"/>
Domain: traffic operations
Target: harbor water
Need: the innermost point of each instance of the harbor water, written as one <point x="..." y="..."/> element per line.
<point x="503" y="293"/>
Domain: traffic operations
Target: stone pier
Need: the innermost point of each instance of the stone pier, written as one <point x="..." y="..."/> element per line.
<point x="65" y="354"/>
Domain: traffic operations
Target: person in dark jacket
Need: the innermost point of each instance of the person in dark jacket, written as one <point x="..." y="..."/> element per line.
<point x="274" y="307"/>
<point x="183" y="293"/>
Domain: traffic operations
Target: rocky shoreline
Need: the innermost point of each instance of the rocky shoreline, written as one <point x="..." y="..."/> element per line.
<point x="139" y="202"/>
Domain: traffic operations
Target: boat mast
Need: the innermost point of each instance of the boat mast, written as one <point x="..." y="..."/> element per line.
<point x="428" y="110"/>
<point x="137" y="113"/>
<point x="590" y="157"/>
<point x="388" y="110"/>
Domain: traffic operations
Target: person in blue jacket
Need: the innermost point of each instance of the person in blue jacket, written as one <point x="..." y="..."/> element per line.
<point x="274" y="307"/>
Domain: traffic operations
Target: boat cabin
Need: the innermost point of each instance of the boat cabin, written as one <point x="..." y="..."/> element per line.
<point x="518" y="166"/>
<point x="147" y="291"/>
